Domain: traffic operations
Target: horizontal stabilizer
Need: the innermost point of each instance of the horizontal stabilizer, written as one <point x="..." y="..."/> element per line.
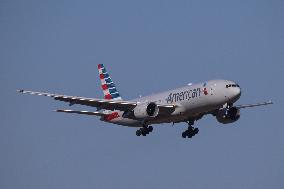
<point x="82" y="112"/>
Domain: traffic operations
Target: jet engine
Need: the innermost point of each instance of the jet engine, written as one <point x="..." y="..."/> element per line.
<point x="146" y="110"/>
<point x="228" y="115"/>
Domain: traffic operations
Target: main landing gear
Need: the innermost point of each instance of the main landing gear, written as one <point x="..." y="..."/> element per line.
<point x="144" y="131"/>
<point x="191" y="131"/>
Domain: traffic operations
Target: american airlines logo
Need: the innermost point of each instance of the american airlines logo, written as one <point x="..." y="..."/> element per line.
<point x="185" y="95"/>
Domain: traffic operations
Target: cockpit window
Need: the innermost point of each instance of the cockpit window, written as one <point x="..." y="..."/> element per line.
<point x="232" y="85"/>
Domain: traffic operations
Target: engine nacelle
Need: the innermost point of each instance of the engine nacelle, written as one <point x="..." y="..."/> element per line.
<point x="146" y="110"/>
<point x="226" y="116"/>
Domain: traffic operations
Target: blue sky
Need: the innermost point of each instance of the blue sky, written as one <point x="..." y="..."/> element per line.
<point x="146" y="46"/>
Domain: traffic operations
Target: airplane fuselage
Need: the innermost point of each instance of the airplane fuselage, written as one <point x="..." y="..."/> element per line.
<point x="192" y="101"/>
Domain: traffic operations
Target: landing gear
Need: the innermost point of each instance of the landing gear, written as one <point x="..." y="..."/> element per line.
<point x="144" y="131"/>
<point x="138" y="132"/>
<point x="191" y="131"/>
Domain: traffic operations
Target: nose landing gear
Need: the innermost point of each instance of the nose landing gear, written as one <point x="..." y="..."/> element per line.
<point x="144" y="131"/>
<point x="191" y="131"/>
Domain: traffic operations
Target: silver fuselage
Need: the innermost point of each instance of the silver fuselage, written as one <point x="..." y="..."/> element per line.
<point x="192" y="101"/>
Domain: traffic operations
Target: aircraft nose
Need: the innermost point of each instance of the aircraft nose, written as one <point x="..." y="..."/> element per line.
<point x="237" y="92"/>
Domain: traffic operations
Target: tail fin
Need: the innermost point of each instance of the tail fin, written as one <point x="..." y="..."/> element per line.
<point x="109" y="88"/>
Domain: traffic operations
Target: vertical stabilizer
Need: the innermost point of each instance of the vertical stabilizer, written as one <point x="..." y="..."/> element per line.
<point x="109" y="88"/>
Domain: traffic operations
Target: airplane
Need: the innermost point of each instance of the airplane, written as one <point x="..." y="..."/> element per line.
<point x="187" y="104"/>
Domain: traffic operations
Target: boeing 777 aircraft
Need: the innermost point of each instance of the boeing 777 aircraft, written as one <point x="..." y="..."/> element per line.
<point x="187" y="104"/>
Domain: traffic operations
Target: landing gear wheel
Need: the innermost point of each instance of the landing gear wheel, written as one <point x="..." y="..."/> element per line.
<point x="191" y="131"/>
<point x="189" y="135"/>
<point x="138" y="132"/>
<point x="144" y="131"/>
<point x="184" y="134"/>
<point x="195" y="131"/>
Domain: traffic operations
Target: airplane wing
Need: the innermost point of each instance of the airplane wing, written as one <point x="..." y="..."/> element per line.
<point x="99" y="103"/>
<point x="254" y="105"/>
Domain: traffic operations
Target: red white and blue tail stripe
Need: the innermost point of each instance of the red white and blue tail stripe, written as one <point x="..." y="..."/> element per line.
<point x="109" y="88"/>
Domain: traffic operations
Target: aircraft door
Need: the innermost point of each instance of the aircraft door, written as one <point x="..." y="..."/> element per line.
<point x="212" y="89"/>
